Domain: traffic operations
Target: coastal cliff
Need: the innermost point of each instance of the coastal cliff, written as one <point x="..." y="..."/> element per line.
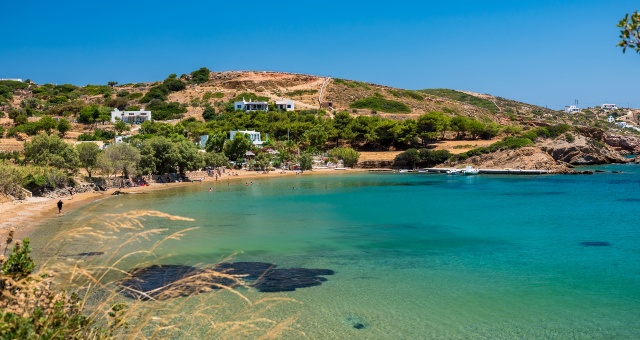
<point x="532" y="158"/>
<point x="581" y="151"/>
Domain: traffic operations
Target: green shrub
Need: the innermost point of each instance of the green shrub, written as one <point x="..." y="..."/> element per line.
<point x="462" y="97"/>
<point x="348" y="156"/>
<point x="380" y="104"/>
<point x="200" y="76"/>
<point x="160" y="92"/>
<point x="300" y="93"/>
<point x="165" y="111"/>
<point x="209" y="95"/>
<point x="569" y="137"/>
<point x="249" y="96"/>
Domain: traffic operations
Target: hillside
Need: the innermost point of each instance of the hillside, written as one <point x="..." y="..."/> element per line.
<point x="188" y="96"/>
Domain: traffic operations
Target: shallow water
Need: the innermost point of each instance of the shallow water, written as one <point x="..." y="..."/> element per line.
<point x="416" y="255"/>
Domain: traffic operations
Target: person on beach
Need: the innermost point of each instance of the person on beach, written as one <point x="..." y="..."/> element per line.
<point x="60" y="207"/>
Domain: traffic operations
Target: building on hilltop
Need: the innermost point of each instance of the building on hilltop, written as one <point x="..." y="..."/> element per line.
<point x="571" y="109"/>
<point x="251" y="106"/>
<point x="285" y="105"/>
<point x="11" y="79"/>
<point x="254" y="136"/>
<point x="606" y="106"/>
<point x="130" y="117"/>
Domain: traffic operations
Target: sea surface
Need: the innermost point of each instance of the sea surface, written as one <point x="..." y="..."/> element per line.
<point x="415" y="256"/>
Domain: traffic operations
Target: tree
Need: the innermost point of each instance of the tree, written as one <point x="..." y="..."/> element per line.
<point x="237" y="147"/>
<point x="216" y="159"/>
<point x="121" y="126"/>
<point x="305" y="160"/>
<point x="630" y="32"/>
<point x="209" y="113"/>
<point x="189" y="158"/>
<point x="200" y="76"/>
<point x="47" y="124"/>
<point x="317" y="136"/>
<point x="216" y="142"/>
<point x="63" y="127"/>
<point x="432" y="123"/>
<point x="112" y="83"/>
<point x="263" y="161"/>
<point x="408" y="158"/>
<point x="88" y="156"/>
<point x="51" y="150"/>
<point x="124" y="158"/>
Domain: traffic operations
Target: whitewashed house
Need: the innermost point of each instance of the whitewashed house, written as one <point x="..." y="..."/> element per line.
<point x="622" y="125"/>
<point x="285" y="105"/>
<point x="251" y="106"/>
<point x="611" y="119"/>
<point x="571" y="109"/>
<point x="130" y="117"/>
<point x="609" y="106"/>
<point x="254" y="136"/>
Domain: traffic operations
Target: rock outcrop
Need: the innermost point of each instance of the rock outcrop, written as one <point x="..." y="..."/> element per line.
<point x="627" y="143"/>
<point x="529" y="158"/>
<point x="582" y="151"/>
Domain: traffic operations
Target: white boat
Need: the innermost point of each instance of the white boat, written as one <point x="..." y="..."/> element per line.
<point x="469" y="170"/>
<point x="454" y="172"/>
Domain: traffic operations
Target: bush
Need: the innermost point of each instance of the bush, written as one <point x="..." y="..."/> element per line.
<point x="159" y="92"/>
<point x="409" y="158"/>
<point x="165" y="111"/>
<point x="174" y="85"/>
<point x="348" y="156"/>
<point x="569" y="137"/>
<point x="200" y="76"/>
<point x="380" y="104"/>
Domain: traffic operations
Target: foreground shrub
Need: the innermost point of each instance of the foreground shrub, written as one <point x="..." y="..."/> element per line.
<point x="348" y="156"/>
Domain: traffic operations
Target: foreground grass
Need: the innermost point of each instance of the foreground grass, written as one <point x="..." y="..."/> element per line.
<point x="78" y="297"/>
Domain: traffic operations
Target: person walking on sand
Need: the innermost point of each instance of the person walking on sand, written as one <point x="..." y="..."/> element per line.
<point x="60" y="207"/>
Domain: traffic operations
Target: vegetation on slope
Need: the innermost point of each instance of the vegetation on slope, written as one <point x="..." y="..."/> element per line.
<point x="462" y="97"/>
<point x="378" y="103"/>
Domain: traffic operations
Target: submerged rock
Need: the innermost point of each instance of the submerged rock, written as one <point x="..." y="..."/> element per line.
<point x="268" y="279"/>
<point x="162" y="282"/>
<point x="595" y="244"/>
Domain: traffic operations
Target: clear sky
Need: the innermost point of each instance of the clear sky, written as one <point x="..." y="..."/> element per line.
<point x="542" y="52"/>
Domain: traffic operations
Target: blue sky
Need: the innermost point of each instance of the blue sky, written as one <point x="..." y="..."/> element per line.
<point x="542" y="52"/>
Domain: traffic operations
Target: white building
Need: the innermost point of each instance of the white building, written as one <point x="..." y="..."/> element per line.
<point x="285" y="105"/>
<point x="611" y="119"/>
<point x="609" y="106"/>
<point x="251" y="106"/>
<point x="121" y="139"/>
<point x="11" y="79"/>
<point x="130" y="117"/>
<point x="622" y="125"/>
<point x="254" y="136"/>
<point x="571" y="109"/>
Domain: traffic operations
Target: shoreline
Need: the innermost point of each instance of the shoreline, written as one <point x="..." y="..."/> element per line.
<point x="26" y="216"/>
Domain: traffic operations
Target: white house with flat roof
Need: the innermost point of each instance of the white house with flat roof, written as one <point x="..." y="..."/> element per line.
<point x="285" y="105"/>
<point x="571" y="109"/>
<point x="611" y="119"/>
<point x="130" y="117"/>
<point x="251" y="106"/>
<point x="254" y="136"/>
<point x="606" y="106"/>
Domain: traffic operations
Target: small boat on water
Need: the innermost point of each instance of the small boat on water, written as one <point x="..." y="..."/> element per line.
<point x="470" y="170"/>
<point x="454" y="172"/>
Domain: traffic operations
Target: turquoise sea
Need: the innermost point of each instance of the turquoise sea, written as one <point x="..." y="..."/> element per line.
<point x="416" y="256"/>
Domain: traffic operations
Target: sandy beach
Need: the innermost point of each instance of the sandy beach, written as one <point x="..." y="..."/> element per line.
<point x="25" y="216"/>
